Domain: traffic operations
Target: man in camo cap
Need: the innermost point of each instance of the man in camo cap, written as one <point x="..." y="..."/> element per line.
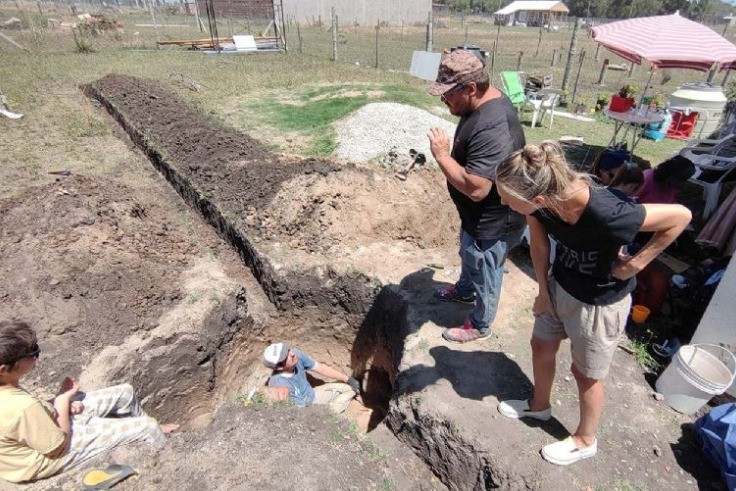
<point x="489" y="131"/>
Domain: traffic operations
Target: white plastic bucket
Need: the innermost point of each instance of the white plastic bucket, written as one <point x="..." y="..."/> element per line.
<point x="697" y="373"/>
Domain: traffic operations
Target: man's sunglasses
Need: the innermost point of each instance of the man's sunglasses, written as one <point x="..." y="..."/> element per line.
<point x="455" y="90"/>
<point x="34" y="351"/>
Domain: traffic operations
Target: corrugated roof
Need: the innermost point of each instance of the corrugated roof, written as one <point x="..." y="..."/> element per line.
<point x="543" y="5"/>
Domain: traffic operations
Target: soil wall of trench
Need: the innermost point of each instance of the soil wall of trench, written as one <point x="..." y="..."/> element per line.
<point x="229" y="178"/>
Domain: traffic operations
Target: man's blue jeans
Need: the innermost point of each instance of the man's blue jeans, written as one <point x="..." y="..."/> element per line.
<point x="482" y="272"/>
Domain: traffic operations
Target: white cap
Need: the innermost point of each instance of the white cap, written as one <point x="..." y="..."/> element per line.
<point x="275" y="354"/>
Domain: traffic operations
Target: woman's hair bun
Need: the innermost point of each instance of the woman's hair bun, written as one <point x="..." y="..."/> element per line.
<point x="535" y="155"/>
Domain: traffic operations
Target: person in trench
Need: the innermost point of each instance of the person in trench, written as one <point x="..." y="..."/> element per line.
<point x="587" y="296"/>
<point x="289" y="379"/>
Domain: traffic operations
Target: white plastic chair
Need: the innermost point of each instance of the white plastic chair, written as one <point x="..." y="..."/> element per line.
<point x="714" y="160"/>
<point x="544" y="102"/>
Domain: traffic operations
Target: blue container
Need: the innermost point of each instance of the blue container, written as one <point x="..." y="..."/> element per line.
<point x="658" y="131"/>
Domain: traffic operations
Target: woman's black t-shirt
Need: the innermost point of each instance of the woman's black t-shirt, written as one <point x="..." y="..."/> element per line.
<point x="586" y="251"/>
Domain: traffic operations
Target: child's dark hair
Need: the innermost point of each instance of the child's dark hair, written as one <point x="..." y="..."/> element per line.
<point x="609" y="160"/>
<point x="677" y="168"/>
<point x="17" y="339"/>
<point x="628" y="173"/>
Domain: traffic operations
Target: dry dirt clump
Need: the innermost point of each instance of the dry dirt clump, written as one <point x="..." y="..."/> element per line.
<point x="101" y="259"/>
<point x="104" y="273"/>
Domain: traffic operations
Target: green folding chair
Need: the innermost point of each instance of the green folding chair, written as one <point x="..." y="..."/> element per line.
<point x="514" y="89"/>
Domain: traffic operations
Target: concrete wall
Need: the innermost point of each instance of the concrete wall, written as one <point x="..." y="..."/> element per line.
<point x="365" y="12"/>
<point x="718" y="325"/>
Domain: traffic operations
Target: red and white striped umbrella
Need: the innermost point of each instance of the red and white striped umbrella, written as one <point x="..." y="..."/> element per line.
<point x="667" y="41"/>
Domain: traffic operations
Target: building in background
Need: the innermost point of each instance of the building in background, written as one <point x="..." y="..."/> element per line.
<point x="360" y="12"/>
<point x="532" y="13"/>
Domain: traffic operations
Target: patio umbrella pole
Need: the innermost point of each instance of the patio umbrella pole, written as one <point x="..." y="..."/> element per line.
<point x="638" y="106"/>
<point x="646" y="87"/>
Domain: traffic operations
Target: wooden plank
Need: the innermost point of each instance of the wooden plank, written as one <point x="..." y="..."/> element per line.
<point x="187" y="42"/>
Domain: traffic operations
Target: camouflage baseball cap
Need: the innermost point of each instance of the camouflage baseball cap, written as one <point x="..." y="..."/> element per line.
<point x="458" y="67"/>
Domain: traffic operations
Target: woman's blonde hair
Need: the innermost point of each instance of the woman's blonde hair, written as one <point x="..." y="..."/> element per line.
<point x="538" y="169"/>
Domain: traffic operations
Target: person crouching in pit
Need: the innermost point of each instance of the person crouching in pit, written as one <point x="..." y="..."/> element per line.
<point x="289" y="379"/>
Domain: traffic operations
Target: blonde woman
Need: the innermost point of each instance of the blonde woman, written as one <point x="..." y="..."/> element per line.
<point x="586" y="298"/>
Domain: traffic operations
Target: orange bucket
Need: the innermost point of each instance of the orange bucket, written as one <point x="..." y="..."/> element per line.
<point x="639" y="314"/>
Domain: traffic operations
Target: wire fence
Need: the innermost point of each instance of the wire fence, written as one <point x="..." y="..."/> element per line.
<point x="537" y="51"/>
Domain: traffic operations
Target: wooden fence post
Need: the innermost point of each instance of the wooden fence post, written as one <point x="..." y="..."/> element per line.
<point x="536" y="53"/>
<point x="498" y="34"/>
<point x="430" y="28"/>
<point x="378" y="26"/>
<point x="631" y="70"/>
<point x="518" y="61"/>
<point x="299" y="36"/>
<point x="602" y="76"/>
<point x="554" y="57"/>
<point x="493" y="62"/>
<point x="597" y="52"/>
<point x="571" y="53"/>
<point x="334" y="35"/>
<point x="577" y="77"/>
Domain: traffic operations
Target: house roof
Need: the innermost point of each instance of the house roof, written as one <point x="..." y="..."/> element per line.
<point x="539" y="5"/>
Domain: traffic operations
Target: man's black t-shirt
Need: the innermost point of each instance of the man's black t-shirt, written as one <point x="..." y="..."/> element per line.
<point x="587" y="250"/>
<point x="483" y="139"/>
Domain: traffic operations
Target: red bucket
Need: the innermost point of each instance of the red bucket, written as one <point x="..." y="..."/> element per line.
<point x="621" y="104"/>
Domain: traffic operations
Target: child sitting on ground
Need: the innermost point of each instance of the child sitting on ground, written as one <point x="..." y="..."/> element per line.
<point x="38" y="440"/>
<point x="628" y="178"/>
<point x="664" y="183"/>
<point x="607" y="163"/>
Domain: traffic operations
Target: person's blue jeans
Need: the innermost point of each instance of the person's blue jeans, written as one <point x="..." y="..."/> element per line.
<point x="482" y="272"/>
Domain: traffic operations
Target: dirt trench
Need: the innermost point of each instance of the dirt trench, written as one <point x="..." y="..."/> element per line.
<point x="294" y="247"/>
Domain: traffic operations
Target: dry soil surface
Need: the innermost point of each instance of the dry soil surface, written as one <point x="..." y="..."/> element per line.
<point x="124" y="283"/>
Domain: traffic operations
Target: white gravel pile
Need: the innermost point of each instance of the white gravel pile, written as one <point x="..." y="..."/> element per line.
<point x="375" y="129"/>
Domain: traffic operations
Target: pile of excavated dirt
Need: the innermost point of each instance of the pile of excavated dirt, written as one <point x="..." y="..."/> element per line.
<point x="316" y="205"/>
<point x="125" y="284"/>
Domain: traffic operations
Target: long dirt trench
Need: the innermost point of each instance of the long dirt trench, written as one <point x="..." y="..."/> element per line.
<point x="332" y="311"/>
<point x="345" y="258"/>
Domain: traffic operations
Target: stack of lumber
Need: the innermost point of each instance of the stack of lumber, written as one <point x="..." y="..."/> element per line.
<point x="207" y="43"/>
<point x="204" y="43"/>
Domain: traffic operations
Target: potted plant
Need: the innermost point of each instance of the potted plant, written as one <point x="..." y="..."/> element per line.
<point x="659" y="100"/>
<point x="601" y="102"/>
<point x="562" y="102"/>
<point x="624" y="100"/>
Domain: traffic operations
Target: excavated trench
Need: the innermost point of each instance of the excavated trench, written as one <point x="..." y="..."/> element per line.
<point x="349" y="318"/>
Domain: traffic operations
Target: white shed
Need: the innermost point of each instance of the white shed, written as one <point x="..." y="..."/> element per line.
<point x="532" y="12"/>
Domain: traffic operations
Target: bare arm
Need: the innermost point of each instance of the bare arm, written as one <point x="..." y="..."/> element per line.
<point x="275" y="394"/>
<point x="474" y="187"/>
<point x="667" y="222"/>
<point x="539" y="250"/>
<point x="62" y="413"/>
<point x="329" y="372"/>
